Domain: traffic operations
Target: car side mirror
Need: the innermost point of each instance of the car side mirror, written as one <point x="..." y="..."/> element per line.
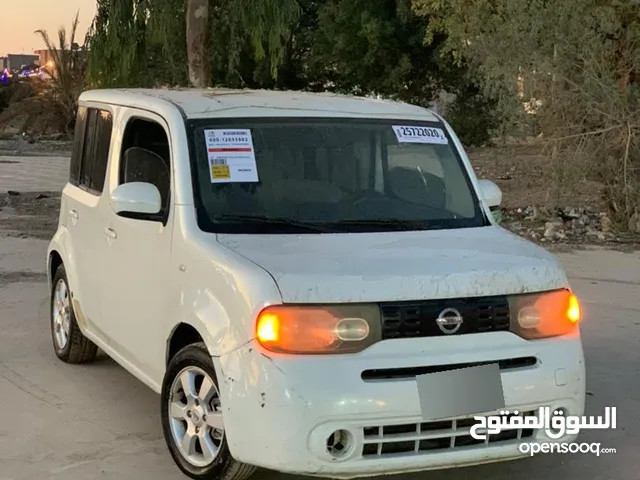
<point x="491" y="193"/>
<point x="136" y="200"/>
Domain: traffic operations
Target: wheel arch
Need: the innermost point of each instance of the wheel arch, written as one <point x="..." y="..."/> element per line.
<point x="61" y="252"/>
<point x="183" y="334"/>
<point x="53" y="263"/>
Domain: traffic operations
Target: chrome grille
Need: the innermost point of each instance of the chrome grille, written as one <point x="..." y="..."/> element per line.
<point x="414" y="319"/>
<point x="413" y="438"/>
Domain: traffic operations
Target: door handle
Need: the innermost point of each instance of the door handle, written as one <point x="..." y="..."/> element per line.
<point x="111" y="233"/>
<point x="74" y="214"/>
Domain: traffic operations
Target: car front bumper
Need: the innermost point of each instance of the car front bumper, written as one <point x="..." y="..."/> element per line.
<point x="279" y="411"/>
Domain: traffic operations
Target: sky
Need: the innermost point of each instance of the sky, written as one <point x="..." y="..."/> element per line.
<point x="20" y="18"/>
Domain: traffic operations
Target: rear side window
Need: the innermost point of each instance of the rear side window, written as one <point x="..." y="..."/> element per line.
<point x="91" y="149"/>
<point x="78" y="143"/>
<point x="102" y="134"/>
<point x="88" y="149"/>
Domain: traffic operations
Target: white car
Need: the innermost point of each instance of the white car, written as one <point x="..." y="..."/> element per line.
<point x="313" y="283"/>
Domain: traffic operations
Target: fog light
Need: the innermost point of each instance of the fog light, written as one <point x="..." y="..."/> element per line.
<point x="339" y="444"/>
<point x="529" y="317"/>
<point x="352" y="329"/>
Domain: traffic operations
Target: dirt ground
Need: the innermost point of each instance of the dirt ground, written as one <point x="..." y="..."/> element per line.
<point x="523" y="173"/>
<point x="16" y="145"/>
<point x="29" y="215"/>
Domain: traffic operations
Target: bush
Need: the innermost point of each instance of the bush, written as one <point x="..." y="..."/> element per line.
<point x="473" y="118"/>
<point x="14" y="92"/>
<point x="575" y="65"/>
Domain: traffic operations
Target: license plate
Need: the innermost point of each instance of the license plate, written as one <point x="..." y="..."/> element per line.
<point x="460" y="392"/>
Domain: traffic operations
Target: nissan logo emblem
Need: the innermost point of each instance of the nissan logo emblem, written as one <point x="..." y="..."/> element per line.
<point x="449" y="321"/>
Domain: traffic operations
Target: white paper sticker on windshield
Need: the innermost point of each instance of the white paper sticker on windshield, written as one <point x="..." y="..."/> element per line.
<point x="231" y="156"/>
<point x="408" y="134"/>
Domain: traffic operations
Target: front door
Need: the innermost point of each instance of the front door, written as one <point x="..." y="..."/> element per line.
<point x="136" y="265"/>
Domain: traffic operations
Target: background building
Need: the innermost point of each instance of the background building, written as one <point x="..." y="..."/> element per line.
<point x="45" y="59"/>
<point x="14" y="62"/>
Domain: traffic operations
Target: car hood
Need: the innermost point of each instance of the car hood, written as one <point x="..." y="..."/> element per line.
<point x="388" y="266"/>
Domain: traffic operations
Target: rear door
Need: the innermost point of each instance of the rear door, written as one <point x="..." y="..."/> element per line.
<point x="81" y="198"/>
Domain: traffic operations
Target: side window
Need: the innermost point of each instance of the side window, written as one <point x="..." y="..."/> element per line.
<point x="88" y="147"/>
<point x="78" y="143"/>
<point x="146" y="157"/>
<point x="104" y="128"/>
<point x="95" y="149"/>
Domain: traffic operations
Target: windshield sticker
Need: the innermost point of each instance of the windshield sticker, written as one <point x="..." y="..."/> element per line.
<point x="231" y="156"/>
<point x="408" y="134"/>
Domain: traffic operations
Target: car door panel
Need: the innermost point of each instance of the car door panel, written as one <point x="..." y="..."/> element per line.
<point x="82" y="198"/>
<point x="136" y="297"/>
<point x="84" y="243"/>
<point x="135" y="266"/>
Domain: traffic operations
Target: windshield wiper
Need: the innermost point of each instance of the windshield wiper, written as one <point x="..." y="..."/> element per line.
<point x="276" y="221"/>
<point x="394" y="223"/>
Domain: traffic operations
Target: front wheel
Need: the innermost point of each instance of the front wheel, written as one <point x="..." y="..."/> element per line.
<point x="192" y="419"/>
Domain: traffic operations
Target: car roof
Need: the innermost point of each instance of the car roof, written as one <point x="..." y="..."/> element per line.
<point x="212" y="103"/>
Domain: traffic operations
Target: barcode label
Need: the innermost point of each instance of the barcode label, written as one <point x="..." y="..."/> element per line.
<point x="231" y="156"/>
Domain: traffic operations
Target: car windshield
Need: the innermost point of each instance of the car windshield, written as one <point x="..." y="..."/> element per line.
<point x="295" y="175"/>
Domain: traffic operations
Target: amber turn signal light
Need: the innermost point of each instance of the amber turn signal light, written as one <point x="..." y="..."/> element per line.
<point x="574" y="313"/>
<point x="544" y="315"/>
<point x="321" y="329"/>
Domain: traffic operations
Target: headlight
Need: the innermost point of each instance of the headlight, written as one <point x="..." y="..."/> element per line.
<point x="544" y="315"/>
<point x="319" y="329"/>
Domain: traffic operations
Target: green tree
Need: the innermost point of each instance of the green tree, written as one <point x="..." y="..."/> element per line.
<point x="374" y="47"/>
<point x="116" y="44"/>
<point x="143" y="42"/>
<point x="166" y="43"/>
<point x="574" y="63"/>
<point x="265" y="23"/>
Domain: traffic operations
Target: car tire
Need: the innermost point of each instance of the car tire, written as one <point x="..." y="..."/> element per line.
<point x="69" y="343"/>
<point x="189" y="422"/>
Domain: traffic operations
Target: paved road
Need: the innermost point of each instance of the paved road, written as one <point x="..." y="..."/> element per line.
<point x="97" y="422"/>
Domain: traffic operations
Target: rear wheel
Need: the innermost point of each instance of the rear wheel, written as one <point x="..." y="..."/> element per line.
<point x="69" y="343"/>
<point x="192" y="418"/>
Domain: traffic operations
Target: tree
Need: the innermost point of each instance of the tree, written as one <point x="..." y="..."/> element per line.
<point x="575" y="62"/>
<point x="374" y="47"/>
<point x="116" y="44"/>
<point x="265" y="23"/>
<point x="67" y="73"/>
<point x="197" y="39"/>
<point x="143" y="42"/>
